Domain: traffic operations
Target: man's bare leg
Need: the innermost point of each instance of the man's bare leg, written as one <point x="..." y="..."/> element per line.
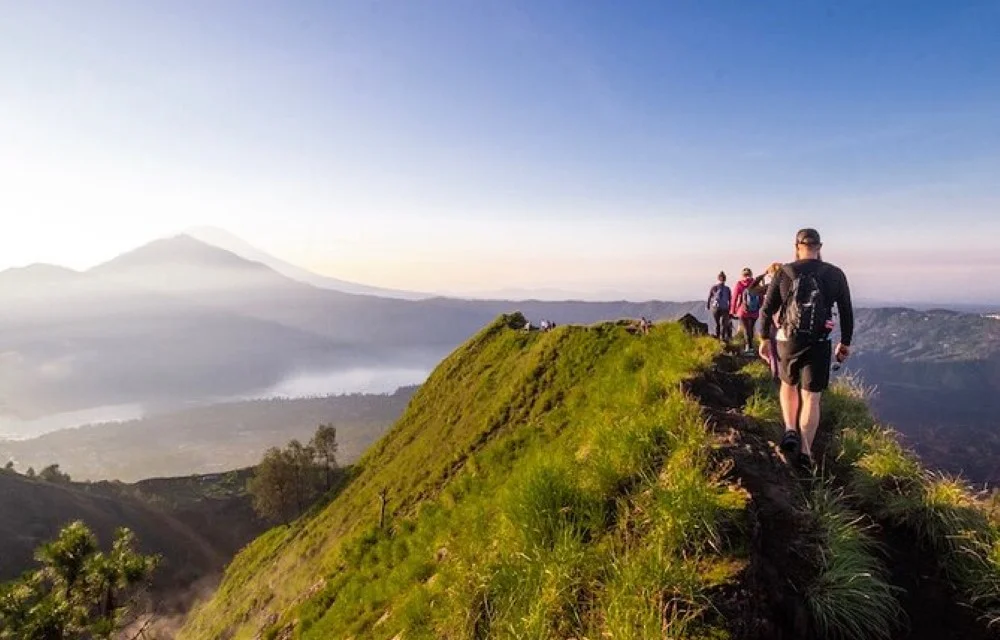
<point x="790" y="403"/>
<point x="810" y="419"/>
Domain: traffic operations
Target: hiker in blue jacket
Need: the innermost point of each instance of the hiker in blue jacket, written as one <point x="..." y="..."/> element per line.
<point x="719" y="299"/>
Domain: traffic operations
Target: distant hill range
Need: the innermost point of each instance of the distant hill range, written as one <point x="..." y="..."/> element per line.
<point x="196" y="524"/>
<point x="182" y="321"/>
<point x="179" y="320"/>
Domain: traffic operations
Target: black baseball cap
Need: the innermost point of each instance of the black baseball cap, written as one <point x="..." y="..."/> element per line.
<point x="807" y="236"/>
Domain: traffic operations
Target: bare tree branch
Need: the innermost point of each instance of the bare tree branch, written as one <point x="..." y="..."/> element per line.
<point x="141" y="633"/>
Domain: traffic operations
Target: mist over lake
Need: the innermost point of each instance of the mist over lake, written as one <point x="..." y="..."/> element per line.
<point x="16" y="429"/>
<point x="305" y="384"/>
<point x="357" y="380"/>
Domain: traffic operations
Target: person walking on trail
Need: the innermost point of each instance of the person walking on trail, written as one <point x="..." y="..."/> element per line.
<point x="803" y="294"/>
<point x="645" y="326"/>
<point x="720" y="298"/>
<point x="746" y="306"/>
<point x="760" y="286"/>
<point x="760" y="282"/>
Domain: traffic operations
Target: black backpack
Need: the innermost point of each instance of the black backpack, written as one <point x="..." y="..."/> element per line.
<point x="805" y="311"/>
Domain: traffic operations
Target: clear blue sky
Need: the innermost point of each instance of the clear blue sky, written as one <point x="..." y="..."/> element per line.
<point x="472" y="145"/>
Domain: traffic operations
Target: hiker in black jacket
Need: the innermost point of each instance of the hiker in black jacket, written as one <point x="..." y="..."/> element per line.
<point x="803" y="294"/>
<point x="719" y="299"/>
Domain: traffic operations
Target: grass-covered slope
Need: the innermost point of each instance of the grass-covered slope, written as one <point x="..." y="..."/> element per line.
<point x="594" y="483"/>
<point x="521" y="483"/>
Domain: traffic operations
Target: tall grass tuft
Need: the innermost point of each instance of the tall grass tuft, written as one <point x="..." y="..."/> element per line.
<point x="652" y="594"/>
<point x="541" y="594"/>
<point x="886" y="477"/>
<point x="949" y="512"/>
<point x="845" y="405"/>
<point x="941" y="512"/>
<point x="986" y="592"/>
<point x="851" y="598"/>
<point x="548" y="506"/>
<point x="763" y="407"/>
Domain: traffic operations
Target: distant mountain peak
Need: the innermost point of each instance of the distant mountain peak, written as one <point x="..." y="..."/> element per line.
<point x="223" y="239"/>
<point x="41" y="269"/>
<point x="217" y="236"/>
<point x="181" y="249"/>
<point x="37" y="274"/>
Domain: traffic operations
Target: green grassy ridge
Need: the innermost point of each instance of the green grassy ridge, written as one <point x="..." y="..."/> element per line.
<point x="541" y="485"/>
<point x="560" y="484"/>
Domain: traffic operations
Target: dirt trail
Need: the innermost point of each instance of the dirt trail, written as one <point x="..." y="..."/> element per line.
<point x="769" y="601"/>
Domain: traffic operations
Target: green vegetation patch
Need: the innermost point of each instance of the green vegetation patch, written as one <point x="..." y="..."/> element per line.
<point x="551" y="484"/>
<point x="562" y="484"/>
<point x="941" y="513"/>
<point x="851" y="597"/>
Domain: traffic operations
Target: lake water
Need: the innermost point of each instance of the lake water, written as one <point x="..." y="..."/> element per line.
<point x="305" y="384"/>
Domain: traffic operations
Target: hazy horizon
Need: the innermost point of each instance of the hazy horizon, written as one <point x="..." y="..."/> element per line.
<point x="527" y="293"/>
<point x="628" y="150"/>
<point x="542" y="293"/>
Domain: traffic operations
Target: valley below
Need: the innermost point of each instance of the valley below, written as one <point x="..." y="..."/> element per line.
<point x="179" y="325"/>
<point x="158" y="380"/>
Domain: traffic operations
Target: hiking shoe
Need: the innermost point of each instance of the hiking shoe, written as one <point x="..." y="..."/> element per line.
<point x="791" y="443"/>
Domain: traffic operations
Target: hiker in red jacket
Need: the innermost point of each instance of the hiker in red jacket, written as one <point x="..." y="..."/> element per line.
<point x="746" y="306"/>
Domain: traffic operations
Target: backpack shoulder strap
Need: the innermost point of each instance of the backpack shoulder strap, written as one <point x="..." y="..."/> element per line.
<point x="788" y="271"/>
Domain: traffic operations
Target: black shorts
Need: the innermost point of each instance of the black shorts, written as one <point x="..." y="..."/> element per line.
<point x="805" y="365"/>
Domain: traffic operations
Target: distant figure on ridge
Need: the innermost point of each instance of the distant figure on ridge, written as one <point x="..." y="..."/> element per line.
<point x="719" y="299"/>
<point x="645" y="325"/>
<point x="746" y="306"/>
<point x="803" y="294"/>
